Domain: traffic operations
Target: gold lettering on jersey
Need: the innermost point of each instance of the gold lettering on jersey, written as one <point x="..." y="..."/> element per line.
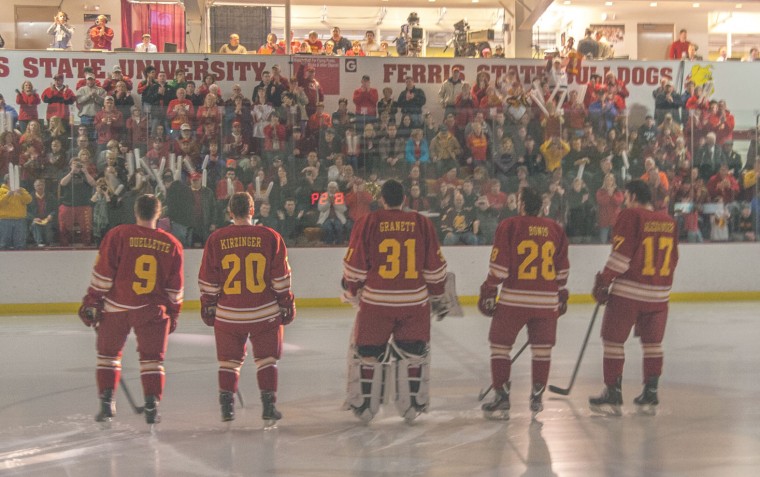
<point x="397" y="226"/>
<point x="150" y="243"/>
<point x="244" y="241"/>
<point x="657" y="226"/>
<point x="538" y="231"/>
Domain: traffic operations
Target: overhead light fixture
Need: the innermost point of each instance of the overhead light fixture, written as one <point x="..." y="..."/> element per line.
<point x="695" y="5"/>
<point x="653" y="4"/>
<point x="567" y="2"/>
<point x="609" y="4"/>
<point x="739" y="5"/>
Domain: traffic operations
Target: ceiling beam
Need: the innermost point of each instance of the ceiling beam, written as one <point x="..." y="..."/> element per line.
<point x="539" y="8"/>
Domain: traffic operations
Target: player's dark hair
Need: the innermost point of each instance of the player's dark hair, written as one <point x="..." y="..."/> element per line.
<point x="241" y="204"/>
<point x="639" y="191"/>
<point x="531" y="200"/>
<point x="147" y="207"/>
<point x="392" y="193"/>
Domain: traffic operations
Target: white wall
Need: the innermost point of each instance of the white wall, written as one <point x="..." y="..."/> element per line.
<point x="63" y="276"/>
<point x="76" y="12"/>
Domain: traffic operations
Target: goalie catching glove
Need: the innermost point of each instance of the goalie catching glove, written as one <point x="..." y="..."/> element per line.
<point x="440" y="306"/>
<point x="91" y="311"/>
<point x="601" y="289"/>
<point x="487" y="299"/>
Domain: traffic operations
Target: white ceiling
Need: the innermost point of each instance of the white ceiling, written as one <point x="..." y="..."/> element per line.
<point x="624" y="6"/>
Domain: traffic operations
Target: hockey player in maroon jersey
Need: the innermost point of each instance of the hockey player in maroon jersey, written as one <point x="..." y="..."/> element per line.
<point x="635" y="284"/>
<point x="529" y="260"/>
<point x="137" y="283"/>
<point x="394" y="272"/>
<point x="245" y="294"/>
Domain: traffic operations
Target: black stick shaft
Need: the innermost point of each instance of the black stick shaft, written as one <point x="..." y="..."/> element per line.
<point x="566" y="391"/>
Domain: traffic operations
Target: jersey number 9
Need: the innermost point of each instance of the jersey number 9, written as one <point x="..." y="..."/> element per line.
<point x="146" y="268"/>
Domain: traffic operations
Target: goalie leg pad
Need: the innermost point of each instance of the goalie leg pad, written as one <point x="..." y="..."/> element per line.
<point x="412" y="377"/>
<point x="366" y="378"/>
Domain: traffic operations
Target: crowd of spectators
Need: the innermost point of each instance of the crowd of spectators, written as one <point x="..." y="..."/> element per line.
<point x="313" y="173"/>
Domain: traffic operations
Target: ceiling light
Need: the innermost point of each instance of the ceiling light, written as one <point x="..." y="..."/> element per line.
<point x="609" y="4"/>
<point x="653" y="4"/>
<point x="695" y="5"/>
<point x="739" y="5"/>
<point x="566" y="2"/>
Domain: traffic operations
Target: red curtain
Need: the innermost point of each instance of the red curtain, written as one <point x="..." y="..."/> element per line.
<point x="165" y="23"/>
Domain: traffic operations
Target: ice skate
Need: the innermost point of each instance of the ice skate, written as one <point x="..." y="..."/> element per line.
<point x="363" y="412"/>
<point x="269" y="413"/>
<point x="107" y="407"/>
<point x="227" y="403"/>
<point x="647" y="401"/>
<point x="609" y="402"/>
<point x="151" y="410"/>
<point x="536" y="399"/>
<point x="414" y="410"/>
<point x="498" y="409"/>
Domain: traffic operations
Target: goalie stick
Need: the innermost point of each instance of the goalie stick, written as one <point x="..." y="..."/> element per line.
<point x="484" y="393"/>
<point x="566" y="391"/>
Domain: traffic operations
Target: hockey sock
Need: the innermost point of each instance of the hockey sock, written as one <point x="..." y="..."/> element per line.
<point x="152" y="377"/>
<point x="414" y="384"/>
<point x="107" y="379"/>
<point x="614" y="359"/>
<point x="266" y="374"/>
<point x="653" y="357"/>
<point x="542" y="355"/>
<point x="500" y="371"/>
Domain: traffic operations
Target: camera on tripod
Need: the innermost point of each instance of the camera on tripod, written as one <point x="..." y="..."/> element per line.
<point x="409" y="42"/>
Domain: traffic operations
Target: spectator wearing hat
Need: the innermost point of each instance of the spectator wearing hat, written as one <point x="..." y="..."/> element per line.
<point x="450" y="89"/>
<point x="116" y="75"/>
<point x="146" y="46"/>
<point x="58" y="97"/>
<point x="365" y="99"/>
<point x="498" y="52"/>
<point x="314" y="93"/>
<point x="233" y="47"/>
<point x="90" y="99"/>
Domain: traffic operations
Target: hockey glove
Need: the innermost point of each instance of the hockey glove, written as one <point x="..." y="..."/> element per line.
<point x="287" y="308"/>
<point x="440" y="306"/>
<point x="172" y="324"/>
<point x="91" y="311"/>
<point x="208" y="314"/>
<point x="487" y="299"/>
<point x="601" y="289"/>
<point x="564" y="295"/>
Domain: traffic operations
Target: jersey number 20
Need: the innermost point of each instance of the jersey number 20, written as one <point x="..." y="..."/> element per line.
<point x="254" y="265"/>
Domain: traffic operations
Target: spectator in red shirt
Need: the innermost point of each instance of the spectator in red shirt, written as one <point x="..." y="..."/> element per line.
<point x="679" y="49"/>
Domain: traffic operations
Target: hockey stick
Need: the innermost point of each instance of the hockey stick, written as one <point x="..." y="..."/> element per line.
<point x="566" y="391"/>
<point x="484" y="393"/>
<point x="137" y="409"/>
<point x="240" y="398"/>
